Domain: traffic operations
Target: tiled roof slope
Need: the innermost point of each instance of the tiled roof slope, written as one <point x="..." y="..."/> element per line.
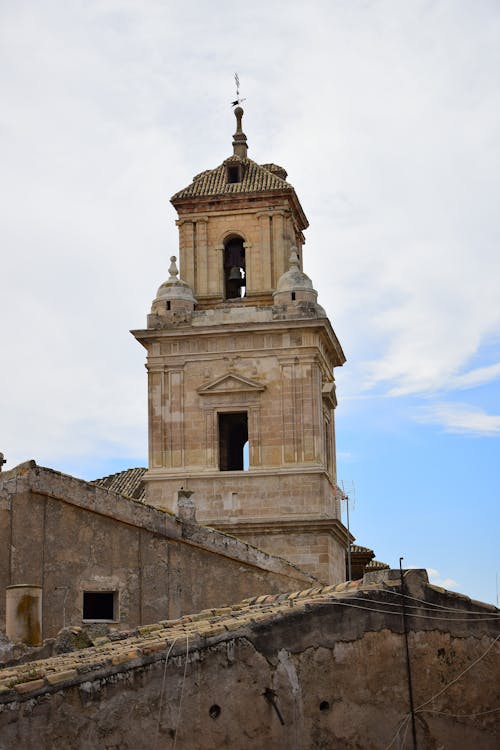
<point x="128" y="483"/>
<point x="358" y="548"/>
<point x="377" y="565"/>
<point x="121" y="651"/>
<point x="256" y="178"/>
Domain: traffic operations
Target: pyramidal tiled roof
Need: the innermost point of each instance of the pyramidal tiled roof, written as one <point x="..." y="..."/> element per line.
<point x="256" y="178"/>
<point x="128" y="483"/>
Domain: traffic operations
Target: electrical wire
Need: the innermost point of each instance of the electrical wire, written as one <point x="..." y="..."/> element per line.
<point x="162" y="691"/>
<point x="402" y="722"/>
<point x="460" y="716"/>
<point x="342" y="603"/>
<point x="403" y="738"/>
<point x="182" y="692"/>
<point x="429" y="604"/>
<point x="422" y="709"/>
<point x="413" y="606"/>
<point x="458" y="677"/>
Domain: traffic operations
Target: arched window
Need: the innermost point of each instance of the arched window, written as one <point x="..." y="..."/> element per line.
<point x="234" y="268"/>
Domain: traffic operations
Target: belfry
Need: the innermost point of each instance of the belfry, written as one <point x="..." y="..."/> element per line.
<point x="240" y="361"/>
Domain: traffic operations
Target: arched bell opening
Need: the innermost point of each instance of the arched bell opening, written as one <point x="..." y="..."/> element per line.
<point x="234" y="268"/>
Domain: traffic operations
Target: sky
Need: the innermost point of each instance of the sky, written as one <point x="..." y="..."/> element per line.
<point x="386" y="116"/>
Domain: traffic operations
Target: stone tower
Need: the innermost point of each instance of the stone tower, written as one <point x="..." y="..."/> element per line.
<point x="240" y="364"/>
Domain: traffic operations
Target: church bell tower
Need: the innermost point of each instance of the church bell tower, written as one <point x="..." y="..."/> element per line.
<point x="240" y="361"/>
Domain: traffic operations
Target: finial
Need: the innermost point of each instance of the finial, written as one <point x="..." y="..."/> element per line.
<point x="239" y="138"/>
<point x="172" y="269"/>
<point x="294" y="258"/>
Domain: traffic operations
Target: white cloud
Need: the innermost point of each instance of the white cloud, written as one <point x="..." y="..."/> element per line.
<point x="385" y="116"/>
<point x="478" y="376"/>
<point x="461" y="418"/>
<point x="436" y="578"/>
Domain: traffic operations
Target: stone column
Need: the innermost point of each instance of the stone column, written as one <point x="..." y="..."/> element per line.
<point x="266" y="260"/>
<point x="280" y="250"/>
<point x="174" y="408"/>
<point x="252" y="270"/>
<point x="24" y="614"/>
<point x="216" y="284"/>
<point x="201" y="287"/>
<point x="310" y="394"/>
<point x="288" y="412"/>
<point x="156" y="424"/>
<point x="186" y="250"/>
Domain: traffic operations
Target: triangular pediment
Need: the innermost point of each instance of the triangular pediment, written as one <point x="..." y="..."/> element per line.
<point x="231" y="383"/>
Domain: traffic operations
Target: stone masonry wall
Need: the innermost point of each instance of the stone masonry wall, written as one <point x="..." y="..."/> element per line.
<point x="322" y="669"/>
<point x="69" y="537"/>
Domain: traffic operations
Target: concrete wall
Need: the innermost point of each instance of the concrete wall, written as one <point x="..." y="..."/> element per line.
<point x="69" y="537"/>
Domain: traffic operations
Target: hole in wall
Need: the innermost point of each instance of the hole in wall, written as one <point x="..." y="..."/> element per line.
<point x="324" y="706"/>
<point x="214" y="711"/>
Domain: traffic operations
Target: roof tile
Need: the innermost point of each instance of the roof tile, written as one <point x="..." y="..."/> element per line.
<point x="256" y="178"/>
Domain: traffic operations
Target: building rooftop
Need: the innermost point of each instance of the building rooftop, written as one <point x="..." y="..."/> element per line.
<point x="377" y="593"/>
<point x="128" y="483"/>
<point x="256" y="178"/>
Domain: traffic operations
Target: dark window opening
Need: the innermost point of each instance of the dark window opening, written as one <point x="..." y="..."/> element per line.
<point x="234" y="174"/>
<point x="233" y="435"/>
<point x="324" y="706"/>
<point x="293" y="296"/>
<point x="234" y="268"/>
<point x="99" y="605"/>
<point x="168" y="305"/>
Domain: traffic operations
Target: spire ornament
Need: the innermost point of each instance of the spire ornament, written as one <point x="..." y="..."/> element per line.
<point x="172" y="269"/>
<point x="239" y="138"/>
<point x="238" y="100"/>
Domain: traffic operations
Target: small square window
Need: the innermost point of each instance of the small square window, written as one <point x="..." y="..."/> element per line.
<point x="234" y="174"/>
<point x="100" y="606"/>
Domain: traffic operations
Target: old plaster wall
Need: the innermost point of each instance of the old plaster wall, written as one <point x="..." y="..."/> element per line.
<point x="337" y="675"/>
<point x="69" y="537"/>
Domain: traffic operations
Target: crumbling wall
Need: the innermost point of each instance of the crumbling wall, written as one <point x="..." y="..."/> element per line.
<point x="323" y="670"/>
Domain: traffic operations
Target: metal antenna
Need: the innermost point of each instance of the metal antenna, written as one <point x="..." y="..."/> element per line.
<point x="344" y="497"/>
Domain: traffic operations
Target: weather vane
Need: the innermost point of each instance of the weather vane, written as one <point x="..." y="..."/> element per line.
<point x="237" y="100"/>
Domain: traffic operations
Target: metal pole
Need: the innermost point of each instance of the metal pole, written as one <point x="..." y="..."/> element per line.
<point x="408" y="665"/>
<point x="349" y="567"/>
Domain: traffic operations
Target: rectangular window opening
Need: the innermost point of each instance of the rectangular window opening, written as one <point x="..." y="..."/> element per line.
<point x="101" y="606"/>
<point x="233" y="174"/>
<point x="233" y="441"/>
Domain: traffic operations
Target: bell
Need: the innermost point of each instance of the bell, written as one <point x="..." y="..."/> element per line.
<point x="235" y="275"/>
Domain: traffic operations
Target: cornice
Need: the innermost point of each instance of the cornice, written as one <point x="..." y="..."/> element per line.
<point x="331" y="526"/>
